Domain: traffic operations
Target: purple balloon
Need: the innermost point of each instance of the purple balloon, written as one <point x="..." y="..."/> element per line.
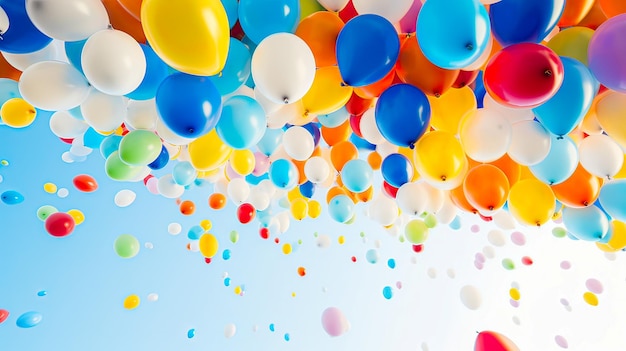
<point x="334" y="321"/>
<point x="607" y="53"/>
<point x="409" y="21"/>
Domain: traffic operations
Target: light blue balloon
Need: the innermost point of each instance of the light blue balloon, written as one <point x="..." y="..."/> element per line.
<point x="184" y="173"/>
<point x="453" y="35"/>
<point x="391" y="263"/>
<point x="613" y="199"/>
<point x="456" y="223"/>
<point x="357" y="175"/>
<point x="93" y="139"/>
<point x="195" y="232"/>
<point x="341" y="208"/>
<point x="560" y="163"/>
<point x="587" y="223"/>
<point x="156" y="72"/>
<point x="284" y="174"/>
<point x="260" y="19"/>
<point x="567" y="108"/>
<point x="74" y="52"/>
<point x="242" y="123"/>
<point x="387" y="291"/>
<point x="9" y="89"/>
<point x="270" y="141"/>
<point x="334" y="119"/>
<point x="109" y="145"/>
<point x="29" y="319"/>
<point x="236" y="70"/>
<point x="232" y="11"/>
<point x="372" y="256"/>
<point x="226" y="255"/>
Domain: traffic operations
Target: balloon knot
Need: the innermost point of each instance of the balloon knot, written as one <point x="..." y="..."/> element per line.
<point x="491" y="208"/>
<point x="32" y="112"/>
<point x="469" y="46"/>
<point x="285" y="99"/>
<point x="437" y="95"/>
<point x="190" y="130"/>
<point x="586" y="203"/>
<point x="443" y="178"/>
<point x="219" y="75"/>
<point x="412" y="146"/>
<point x="306" y="113"/>
<point x="560" y="137"/>
<point x="538" y="224"/>
<point x="547" y="73"/>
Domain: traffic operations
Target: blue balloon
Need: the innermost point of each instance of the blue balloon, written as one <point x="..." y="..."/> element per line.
<point x="341" y="208"/>
<point x="232" y="11"/>
<point x="453" y="36"/>
<point x="9" y="89"/>
<point x="613" y="199"/>
<point x="315" y="132"/>
<point x="270" y="141"/>
<point x="357" y="175"/>
<point x="109" y="145"/>
<point x="402" y="114"/>
<point x="367" y="50"/>
<point x="236" y="70"/>
<point x="29" y="319"/>
<point x="74" y="52"/>
<point x="260" y="19"/>
<point x="334" y="119"/>
<point x="391" y="263"/>
<point x="92" y="139"/>
<point x="560" y="163"/>
<point x="361" y="143"/>
<point x="587" y="223"/>
<point x="195" y="232"/>
<point x="372" y="256"/>
<point x="521" y="21"/>
<point x="396" y="170"/>
<point x="226" y="255"/>
<point x="254" y="180"/>
<point x="188" y="105"/>
<point x="242" y="123"/>
<point x="479" y="90"/>
<point x="184" y="173"/>
<point x="22" y="37"/>
<point x="156" y="72"/>
<point x="307" y="189"/>
<point x="456" y="223"/>
<point x="12" y="197"/>
<point x="227" y="281"/>
<point x="161" y="160"/>
<point x="284" y="174"/>
<point x="387" y="291"/>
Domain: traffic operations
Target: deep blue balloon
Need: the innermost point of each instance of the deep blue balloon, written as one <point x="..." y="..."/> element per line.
<point x="74" y="52"/>
<point x="479" y="90"/>
<point x="341" y="208"/>
<point x="236" y="70"/>
<point x="613" y="199"/>
<point x="402" y="114"/>
<point x="270" y="141"/>
<point x="367" y="50"/>
<point x="190" y="106"/>
<point x="22" y="37"/>
<point x="260" y="19"/>
<point x="315" y="132"/>
<point x="284" y="174"/>
<point x="109" y="145"/>
<point x="29" y="319"/>
<point x="161" y="160"/>
<point x="156" y="72"/>
<point x="361" y="143"/>
<point x="12" y="197"/>
<point x="521" y="21"/>
<point x="242" y="124"/>
<point x="357" y="175"/>
<point x="232" y="11"/>
<point x="307" y="189"/>
<point x="93" y="139"/>
<point x="396" y="170"/>
<point x="587" y="223"/>
<point x="560" y="163"/>
<point x="566" y="109"/>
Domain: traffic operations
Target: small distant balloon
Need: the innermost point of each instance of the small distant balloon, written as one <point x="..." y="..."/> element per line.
<point x="29" y="319"/>
<point x="594" y="286"/>
<point x="59" y="224"/>
<point x="85" y="183"/>
<point x="12" y="197"/>
<point x="125" y="198"/>
<point x="561" y="341"/>
<point x="126" y="246"/>
<point x="4" y="314"/>
<point x="334" y="322"/>
<point x="45" y="211"/>
<point x="153" y="297"/>
<point x="191" y="333"/>
<point x="174" y="228"/>
<point x="42" y="293"/>
<point x="471" y="297"/>
<point x="131" y="302"/>
<point x="230" y="330"/>
<point x="387" y="292"/>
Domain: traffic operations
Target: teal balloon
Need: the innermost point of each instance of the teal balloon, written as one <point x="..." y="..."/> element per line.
<point x="29" y="319"/>
<point x="283" y="174"/>
<point x="243" y="122"/>
<point x="195" y="232"/>
<point x="613" y="199"/>
<point x="372" y="256"/>
<point x="587" y="223"/>
<point x="156" y="72"/>
<point x="453" y="35"/>
<point x="260" y="19"/>
<point x="92" y="139"/>
<point x="232" y="11"/>
<point x="74" y="52"/>
<point x="387" y="291"/>
<point x="183" y="173"/>
<point x="109" y="145"/>
<point x="341" y="208"/>
<point x="270" y="141"/>
<point x="140" y="147"/>
<point x="560" y="163"/>
<point x="12" y="197"/>
<point x="334" y="119"/>
<point x="126" y="246"/>
<point x="357" y="175"/>
<point x="9" y="89"/>
<point x="236" y="70"/>
<point x="563" y="112"/>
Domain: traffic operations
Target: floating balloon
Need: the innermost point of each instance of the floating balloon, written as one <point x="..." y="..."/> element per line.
<point x="17" y="113"/>
<point x="236" y="70"/>
<point x="327" y="93"/>
<point x="246" y="213"/>
<point x="612" y="199"/>
<point x="530" y="143"/>
<point x="298" y="143"/>
<point x="140" y="148"/>
<point x="334" y="322"/>
<point x="68" y="20"/>
<point x="510" y="25"/>
<point x="486" y="187"/>
<point x="531" y="202"/>
<point x="131" y="302"/>
<point x="126" y="246"/>
<point x="559" y="164"/>
<point x="242" y="122"/>
<point x="493" y="341"/>
<point x="320" y="31"/>
<point x="439" y="156"/>
<point x="471" y="297"/>
<point x="156" y="71"/>
<point x="416" y="231"/>
<point x="393" y="12"/>
<point x="12" y="197"/>
<point x="607" y="51"/>
<point x="124" y="198"/>
<point x="402" y="105"/>
<point x="581" y="189"/>
<point x="572" y="42"/>
<point x="357" y="175"/>
<point x="85" y="183"/>
<point x="53" y="85"/>
<point x="59" y="224"/>
<point x="396" y="170"/>
<point x="283" y="174"/>
<point x="588" y="223"/>
<point x="449" y="109"/>
<point x="4" y="314"/>
<point x="260" y="20"/>
<point x="341" y="208"/>
<point x="486" y="135"/>
<point x="601" y="156"/>
<point x="29" y="319"/>
<point x="21" y="36"/>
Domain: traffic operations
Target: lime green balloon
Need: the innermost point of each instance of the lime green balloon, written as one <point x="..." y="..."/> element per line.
<point x="572" y="42"/>
<point x="126" y="246"/>
<point x="559" y="232"/>
<point x="46" y="210"/>
<point x="430" y="220"/>
<point x="234" y="236"/>
<point x="116" y="169"/>
<point x="416" y="231"/>
<point x="308" y="7"/>
<point x="140" y="147"/>
<point x="508" y="264"/>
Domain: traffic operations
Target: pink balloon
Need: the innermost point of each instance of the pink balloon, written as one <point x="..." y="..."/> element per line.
<point x="261" y="165"/>
<point x="152" y="185"/>
<point x="518" y="238"/>
<point x="408" y="22"/>
<point x="334" y="321"/>
<point x="561" y="341"/>
<point x="594" y="286"/>
<point x="230" y="172"/>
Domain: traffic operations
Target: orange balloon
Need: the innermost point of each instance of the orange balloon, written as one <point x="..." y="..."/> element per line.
<point x="574" y="12"/>
<point x="122" y="20"/>
<point x="375" y="89"/>
<point x="366" y="195"/>
<point x="457" y="195"/>
<point x="217" y="201"/>
<point x="581" y="189"/>
<point x="187" y="207"/>
<point x="374" y="160"/>
<point x="338" y="134"/>
<point x="341" y="153"/>
<point x="133" y="7"/>
<point x="612" y="8"/>
<point x="486" y="187"/>
<point x="300" y="166"/>
<point x="511" y="169"/>
<point x="320" y="31"/>
<point x="8" y="71"/>
<point x="414" y="68"/>
<point x="594" y="18"/>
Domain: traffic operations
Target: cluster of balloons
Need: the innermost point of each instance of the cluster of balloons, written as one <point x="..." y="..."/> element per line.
<point x="507" y="109"/>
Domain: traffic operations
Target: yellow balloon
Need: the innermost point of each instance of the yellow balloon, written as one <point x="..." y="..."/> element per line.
<point x="78" y="215"/>
<point x="50" y="188"/>
<point x="618" y="235"/>
<point x="341" y="240"/>
<point x="299" y="208"/>
<point x="192" y="36"/>
<point x="237" y="290"/>
<point x="448" y="110"/>
<point x="531" y="202"/>
<point x="622" y="172"/>
<point x="308" y="7"/>
<point x="17" y="113"/>
<point x="131" y="302"/>
<point x="590" y="298"/>
<point x="208" y="245"/>
<point x="287" y="248"/>
<point x="440" y="157"/>
<point x="242" y="161"/>
<point x="610" y="110"/>
<point x="206" y="224"/>
<point x="605" y="247"/>
<point x="315" y="209"/>
<point x="514" y="293"/>
<point x="572" y="42"/>
<point x="327" y="94"/>
<point x="208" y="152"/>
<point x="294" y="194"/>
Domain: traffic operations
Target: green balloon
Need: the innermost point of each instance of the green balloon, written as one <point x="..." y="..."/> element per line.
<point x="116" y="169"/>
<point x="416" y="231"/>
<point x="126" y="246"/>
<point x="508" y="264"/>
<point x="430" y="220"/>
<point x="140" y="148"/>
<point x="44" y="211"/>
<point x="234" y="236"/>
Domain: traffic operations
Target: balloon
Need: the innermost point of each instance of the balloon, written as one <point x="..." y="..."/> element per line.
<point x="161" y="160"/>
<point x="613" y="200"/>
<point x="204" y="27"/>
<point x="560" y="163"/>
<point x="581" y="189"/>
<point x="409" y="20"/>
<point x="486" y="187"/>
<point x="617" y="235"/>
<point x="572" y="42"/>
<point x="510" y="24"/>
<point x="396" y="170"/>
<point x="453" y="37"/>
<point x="133" y="7"/>
<point x="357" y="175"/>
<point x="12" y="197"/>
<point x="333" y="136"/>
<point x="449" y="109"/>
<point x="113" y="62"/>
<point x="334" y="322"/>
<point x="125" y="198"/>
<point x="439" y="156"/>
<point x="68" y="20"/>
<point x="341" y="153"/>
<point x="574" y="12"/>
<point x="566" y="109"/>
<point x="29" y="319"/>
<point x="405" y="106"/>
<point x="230" y="330"/>
<point x="416" y="231"/>
<point x="53" y="85"/>
<point x="612" y="8"/>
<point x="607" y="53"/>
<point x="320" y="31"/>
<point x="299" y="208"/>
<point x="374" y="90"/>
<point x="413" y="198"/>
<point x="609" y="109"/>
<point x="283" y="68"/>
<point x="371" y="34"/>
<point x="140" y="148"/>
<point x="4" y="314"/>
<point x="262" y="19"/>
<point x="245" y="213"/>
<point x="126" y="246"/>
<point x="59" y="224"/>
<point x="485" y="135"/>
<point x="588" y="223"/>
<point x="298" y="143"/>
<point x="242" y="122"/>
<point x="471" y="298"/>
<point x="316" y="169"/>
<point x="341" y="208"/>
<point x="387" y="292"/>
<point x="242" y="161"/>
<point x="22" y="36"/>
<point x="23" y="61"/>
<point x="531" y="202"/>
<point x="327" y="94"/>
<point x="156" y="72"/>
<point x="283" y="174"/>
<point x="103" y="112"/>
<point x="189" y="105"/>
<point x="217" y="201"/>
<point x="183" y="173"/>
<point x="118" y="170"/>
<point x="122" y="20"/>
<point x="523" y="75"/>
<point x="601" y="156"/>
<point x="85" y="183"/>
<point x="17" y="113"/>
<point x="393" y="12"/>
<point x="236" y="70"/>
<point x="493" y="341"/>
<point x="530" y="143"/>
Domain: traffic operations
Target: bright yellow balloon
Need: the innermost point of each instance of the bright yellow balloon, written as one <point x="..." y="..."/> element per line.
<point x="192" y="36"/>
<point x="294" y="194"/>
<point x="78" y="215"/>
<point x="287" y="248"/>
<point x="448" y="110"/>
<point x="50" y="188"/>
<point x="610" y="110"/>
<point x="17" y="113"/>
<point x="618" y="235"/>
<point x="440" y="156"/>
<point x="131" y="302"/>
<point x="572" y="42"/>
<point x="208" y="152"/>
<point x="531" y="202"/>
<point x="242" y="161"/>
<point x="315" y="209"/>
<point x="514" y="294"/>
<point x="327" y="94"/>
<point x="206" y="224"/>
<point x="208" y="245"/>
<point x="622" y="172"/>
<point x="308" y="7"/>
<point x="299" y="208"/>
<point x="590" y="298"/>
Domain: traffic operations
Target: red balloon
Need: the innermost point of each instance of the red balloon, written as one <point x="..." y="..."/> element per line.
<point x="246" y="213"/>
<point x="348" y="12"/>
<point x="4" y="314"/>
<point x="358" y="105"/>
<point x="492" y="341"/>
<point x="60" y="224"/>
<point x="523" y="75"/>
<point x="85" y="183"/>
<point x="390" y="190"/>
<point x="465" y="78"/>
<point x="355" y="124"/>
<point x="264" y="233"/>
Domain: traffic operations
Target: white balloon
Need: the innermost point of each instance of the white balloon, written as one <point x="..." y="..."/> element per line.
<point x="504" y="220"/>
<point x="530" y="143"/>
<point x="278" y="119"/>
<point x="268" y="105"/>
<point x="283" y="68"/>
<point x="316" y="169"/>
<point x="266" y="186"/>
<point x="393" y="11"/>
<point x="447" y="212"/>
<point x="125" y="198"/>
<point x="470" y="297"/>
<point x="4" y="21"/>
<point x="436" y="197"/>
<point x="412" y="198"/>
<point x="103" y="112"/>
<point x="514" y="115"/>
<point x="259" y="199"/>
<point x="369" y="128"/>
<point x="64" y="125"/>
<point x="284" y="221"/>
<point x="333" y="5"/>
<point x="141" y="114"/>
<point x="113" y="62"/>
<point x="238" y="190"/>
<point x="600" y="155"/>
<point x="23" y="61"/>
<point x="383" y="210"/>
<point x="174" y="228"/>
<point x="53" y="86"/>
<point x="298" y="143"/>
<point x="230" y="330"/>
<point x="386" y="148"/>
<point x="168" y="187"/>
<point x="68" y="20"/>
<point x="486" y="136"/>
